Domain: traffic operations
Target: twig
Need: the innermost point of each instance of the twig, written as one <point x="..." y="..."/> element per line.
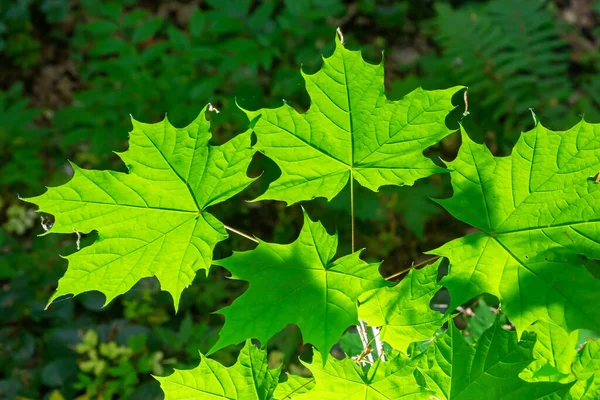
<point x="411" y="267"/>
<point x="298" y="388"/>
<point x="339" y="32"/>
<point x="78" y="238"/>
<point x="240" y="233"/>
<point x="378" y="343"/>
<point x="465" y="97"/>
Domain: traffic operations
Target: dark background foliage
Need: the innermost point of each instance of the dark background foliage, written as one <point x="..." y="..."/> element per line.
<point x="72" y="71"/>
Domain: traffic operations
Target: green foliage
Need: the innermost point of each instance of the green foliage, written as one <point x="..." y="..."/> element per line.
<point x="351" y="131"/>
<point x="537" y="211"/>
<point x="140" y="62"/>
<point x="250" y="378"/>
<point x="111" y="371"/>
<point x="344" y="379"/>
<point x="403" y="311"/>
<point x="557" y="359"/>
<point x="19" y="139"/>
<point x="153" y="215"/>
<point x="554" y="351"/>
<point x="510" y="61"/>
<point x="488" y="369"/>
<point x="300" y="284"/>
<point x="585" y="368"/>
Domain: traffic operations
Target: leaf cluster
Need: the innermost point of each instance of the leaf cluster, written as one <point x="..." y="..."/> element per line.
<point x="535" y="211"/>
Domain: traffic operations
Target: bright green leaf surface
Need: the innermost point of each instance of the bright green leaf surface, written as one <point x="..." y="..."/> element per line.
<point x="487" y="370"/>
<point x="248" y="379"/>
<point x="557" y="359"/>
<point x="538" y="209"/>
<point x="403" y="311"/>
<point x="345" y="379"/>
<point x="554" y="352"/>
<point x="295" y="385"/>
<point x="153" y="220"/>
<point x="586" y="368"/>
<point x="297" y="283"/>
<point x="350" y="129"/>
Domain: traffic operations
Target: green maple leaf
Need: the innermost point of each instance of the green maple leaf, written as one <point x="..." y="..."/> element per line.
<point x="296" y="283"/>
<point x="538" y="209"/>
<point x="248" y="379"/>
<point x="557" y="360"/>
<point x="586" y="368"/>
<point x="345" y="379"/>
<point x="554" y="352"/>
<point x="488" y="370"/>
<point x="151" y="221"/>
<point x="293" y="386"/>
<point x="351" y="131"/>
<point x="403" y="311"/>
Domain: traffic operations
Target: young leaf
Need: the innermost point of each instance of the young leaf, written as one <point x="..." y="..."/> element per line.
<point x="350" y="131"/>
<point x="403" y="311"/>
<point x="557" y="360"/>
<point x="488" y="370"/>
<point x="249" y="378"/>
<point x="554" y="352"/>
<point x="345" y="379"/>
<point x="538" y="209"/>
<point x="587" y="370"/>
<point x="151" y="221"/>
<point x="296" y="283"/>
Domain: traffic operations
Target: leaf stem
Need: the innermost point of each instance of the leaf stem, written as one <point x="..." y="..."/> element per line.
<point x="378" y="343"/>
<point x="362" y="327"/>
<point x="411" y="267"/>
<point x="298" y="388"/>
<point x="352" y="206"/>
<point x="240" y="233"/>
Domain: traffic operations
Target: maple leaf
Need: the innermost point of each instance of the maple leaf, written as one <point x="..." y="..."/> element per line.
<point x="403" y="311"/>
<point x="345" y="379"/>
<point x="586" y="369"/>
<point x="293" y="386"/>
<point x="557" y="360"/>
<point x="487" y="370"/>
<point x="350" y="131"/>
<point x="248" y="379"/>
<point x="296" y="283"/>
<point x="538" y="209"/>
<point x="554" y="353"/>
<point x="151" y="221"/>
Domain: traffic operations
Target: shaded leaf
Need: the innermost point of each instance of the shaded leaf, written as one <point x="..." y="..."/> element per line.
<point x="345" y="379"/>
<point x="488" y="370"/>
<point x="403" y="311"/>
<point x="296" y="283"/>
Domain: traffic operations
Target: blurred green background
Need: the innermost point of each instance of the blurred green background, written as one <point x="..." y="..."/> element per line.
<point x="72" y="71"/>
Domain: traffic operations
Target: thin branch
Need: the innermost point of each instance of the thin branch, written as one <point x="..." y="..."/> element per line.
<point x="378" y="343"/>
<point x="341" y="35"/>
<point x="298" y="388"/>
<point x="397" y="274"/>
<point x="240" y="233"/>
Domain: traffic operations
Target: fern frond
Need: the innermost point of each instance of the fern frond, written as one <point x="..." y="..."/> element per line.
<point x="511" y="56"/>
